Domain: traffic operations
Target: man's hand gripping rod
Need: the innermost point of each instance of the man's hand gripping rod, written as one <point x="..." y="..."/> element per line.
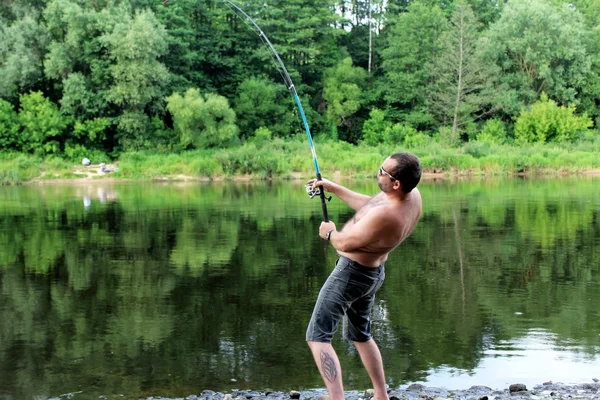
<point x="318" y="191"/>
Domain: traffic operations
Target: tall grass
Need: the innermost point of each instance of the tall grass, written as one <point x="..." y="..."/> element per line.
<point x="292" y="157"/>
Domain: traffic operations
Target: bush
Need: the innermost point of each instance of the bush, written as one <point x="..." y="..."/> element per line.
<point x="375" y="127"/>
<point x="546" y="122"/>
<point x="42" y="123"/>
<point x="262" y="136"/>
<point x="397" y="133"/>
<point x="9" y="127"/>
<point x="493" y="132"/>
<point x="203" y="121"/>
<point x="448" y="138"/>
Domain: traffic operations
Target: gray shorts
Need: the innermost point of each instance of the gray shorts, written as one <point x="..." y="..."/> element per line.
<point x="349" y="292"/>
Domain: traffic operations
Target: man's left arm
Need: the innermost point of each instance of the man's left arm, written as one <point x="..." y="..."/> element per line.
<point x="369" y="229"/>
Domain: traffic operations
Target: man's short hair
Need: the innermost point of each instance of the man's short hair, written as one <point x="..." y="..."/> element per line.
<point x="407" y="170"/>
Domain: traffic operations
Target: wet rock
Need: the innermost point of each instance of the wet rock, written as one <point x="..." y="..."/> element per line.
<point x="250" y="395"/>
<point x="480" y="388"/>
<point x="369" y="393"/>
<point x="416" y="387"/>
<point x="483" y="398"/>
<point x="294" y="394"/>
<point x="517" y="387"/>
<point x="228" y="397"/>
<point x="596" y="380"/>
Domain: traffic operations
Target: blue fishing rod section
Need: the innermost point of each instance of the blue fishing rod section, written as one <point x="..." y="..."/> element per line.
<point x="290" y="85"/>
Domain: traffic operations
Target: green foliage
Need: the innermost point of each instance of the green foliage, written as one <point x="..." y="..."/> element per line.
<point x="415" y="139"/>
<point x="42" y="123"/>
<point x="399" y="133"/>
<point x="375" y="127"/>
<point x="9" y="127"/>
<point x="78" y="98"/>
<point x="492" y="132"/>
<point x="548" y="122"/>
<point x="262" y="103"/>
<point x="22" y="47"/>
<point x="464" y="82"/>
<point x="202" y="122"/>
<point x="538" y="47"/>
<point x="262" y="136"/>
<point x="412" y="45"/>
<point x="377" y="130"/>
<point x="343" y="92"/>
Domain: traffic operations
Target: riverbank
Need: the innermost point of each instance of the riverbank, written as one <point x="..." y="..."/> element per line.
<point x="547" y="390"/>
<point x="290" y="159"/>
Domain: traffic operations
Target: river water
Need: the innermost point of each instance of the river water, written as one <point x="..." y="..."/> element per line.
<point x="169" y="289"/>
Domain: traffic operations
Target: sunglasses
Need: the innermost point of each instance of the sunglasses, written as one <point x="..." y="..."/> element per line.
<point x="384" y="172"/>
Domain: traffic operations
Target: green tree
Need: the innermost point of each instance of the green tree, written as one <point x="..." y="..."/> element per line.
<point x="464" y="82"/>
<point x="539" y="48"/>
<point x="9" y="127"/>
<point x="304" y="34"/>
<point x="202" y="122"/>
<point x="139" y="78"/>
<point x="413" y="43"/>
<point x="22" y="48"/>
<point x="42" y="123"/>
<point x="77" y="57"/>
<point x="590" y="92"/>
<point x="262" y="103"/>
<point x="343" y="92"/>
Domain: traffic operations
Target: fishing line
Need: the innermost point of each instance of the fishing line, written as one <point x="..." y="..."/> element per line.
<point x="312" y="191"/>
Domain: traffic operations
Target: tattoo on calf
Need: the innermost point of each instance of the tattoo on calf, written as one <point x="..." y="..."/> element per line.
<point x="328" y="367"/>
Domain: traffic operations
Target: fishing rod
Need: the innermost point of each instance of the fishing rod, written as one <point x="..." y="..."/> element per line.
<point x="310" y="189"/>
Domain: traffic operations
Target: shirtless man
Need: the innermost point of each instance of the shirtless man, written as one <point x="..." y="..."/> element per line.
<point x="380" y="224"/>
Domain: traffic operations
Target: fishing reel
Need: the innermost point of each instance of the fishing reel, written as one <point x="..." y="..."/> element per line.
<point x="315" y="191"/>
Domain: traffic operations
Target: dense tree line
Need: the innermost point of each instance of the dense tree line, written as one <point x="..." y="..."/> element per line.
<point x="81" y="77"/>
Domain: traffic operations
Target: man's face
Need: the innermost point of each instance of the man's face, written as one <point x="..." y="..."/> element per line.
<point x="385" y="180"/>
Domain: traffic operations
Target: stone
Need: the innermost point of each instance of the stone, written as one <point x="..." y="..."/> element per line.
<point x="416" y="387"/>
<point x="517" y="387"/>
<point x="228" y="397"/>
<point x="369" y="393"/>
<point x="294" y="394"/>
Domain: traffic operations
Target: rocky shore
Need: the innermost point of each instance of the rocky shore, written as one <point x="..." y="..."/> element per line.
<point x="547" y="390"/>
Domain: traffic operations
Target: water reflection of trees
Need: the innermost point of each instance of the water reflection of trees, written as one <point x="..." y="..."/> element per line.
<point x="196" y="281"/>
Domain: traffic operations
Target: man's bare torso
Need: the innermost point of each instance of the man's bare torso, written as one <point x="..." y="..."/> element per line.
<point x="403" y="215"/>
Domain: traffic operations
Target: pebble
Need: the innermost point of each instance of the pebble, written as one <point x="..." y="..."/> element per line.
<point x="517" y="391"/>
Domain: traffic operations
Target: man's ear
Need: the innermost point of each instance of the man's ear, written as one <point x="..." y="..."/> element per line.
<point x="397" y="185"/>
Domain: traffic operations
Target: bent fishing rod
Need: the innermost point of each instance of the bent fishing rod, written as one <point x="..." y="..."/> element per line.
<point x="312" y="191"/>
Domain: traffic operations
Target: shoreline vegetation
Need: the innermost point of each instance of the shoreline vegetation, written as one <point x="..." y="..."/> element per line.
<point x="287" y="159"/>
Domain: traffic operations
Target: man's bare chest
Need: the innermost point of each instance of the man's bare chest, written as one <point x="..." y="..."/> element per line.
<point x="376" y="201"/>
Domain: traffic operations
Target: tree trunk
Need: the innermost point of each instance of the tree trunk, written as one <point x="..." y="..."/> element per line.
<point x="370" y="39"/>
<point x="460" y="75"/>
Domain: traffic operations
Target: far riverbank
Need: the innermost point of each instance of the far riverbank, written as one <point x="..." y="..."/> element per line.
<point x="291" y="159"/>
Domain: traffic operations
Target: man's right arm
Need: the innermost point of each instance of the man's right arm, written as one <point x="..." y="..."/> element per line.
<point x="353" y="199"/>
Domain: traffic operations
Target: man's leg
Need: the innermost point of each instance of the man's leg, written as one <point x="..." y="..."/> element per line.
<point x="329" y="366"/>
<point x="371" y="359"/>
